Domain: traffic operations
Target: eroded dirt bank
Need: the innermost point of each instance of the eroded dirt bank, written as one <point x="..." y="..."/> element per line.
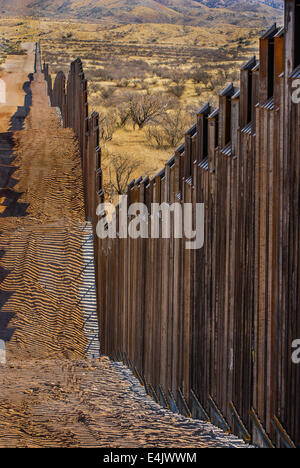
<point x="50" y="395"/>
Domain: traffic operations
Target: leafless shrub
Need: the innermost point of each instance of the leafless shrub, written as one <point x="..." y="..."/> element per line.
<point x="191" y="112"/>
<point x="119" y="170"/>
<point x="156" y="136"/>
<point x="139" y="84"/>
<point x="218" y="83"/>
<point x="107" y="93"/>
<point x="123" y="114"/>
<point x="171" y="129"/>
<point x="146" y="108"/>
<point x="200" y="76"/>
<point x="127" y="69"/>
<point x="177" y="90"/>
<point x="233" y="76"/>
<point x="164" y="72"/>
<point x="103" y="75"/>
<point x="92" y="88"/>
<point x="108" y="125"/>
<point x="177" y="78"/>
<point x="123" y="83"/>
<point x="198" y="90"/>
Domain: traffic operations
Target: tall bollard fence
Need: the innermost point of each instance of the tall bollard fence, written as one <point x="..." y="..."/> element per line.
<point x="210" y="332"/>
<point x="71" y="97"/>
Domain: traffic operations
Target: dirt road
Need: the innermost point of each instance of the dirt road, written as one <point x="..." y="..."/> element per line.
<point x="96" y="404"/>
<point x="50" y="394"/>
<point x="41" y="233"/>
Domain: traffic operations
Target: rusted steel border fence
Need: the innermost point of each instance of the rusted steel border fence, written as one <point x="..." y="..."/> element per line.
<point x="209" y="332"/>
<point x="71" y="97"/>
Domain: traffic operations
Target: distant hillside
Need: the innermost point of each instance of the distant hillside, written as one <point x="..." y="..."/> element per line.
<point x="189" y="12"/>
<point x="279" y="4"/>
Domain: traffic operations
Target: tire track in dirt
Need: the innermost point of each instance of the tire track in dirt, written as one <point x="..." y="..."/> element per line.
<point x="42" y="257"/>
<point x="92" y="404"/>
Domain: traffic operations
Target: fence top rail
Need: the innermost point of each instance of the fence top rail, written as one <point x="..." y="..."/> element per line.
<point x="206" y="109"/>
<point x="249" y="64"/>
<point x="228" y="91"/>
<point x="214" y="113"/>
<point x="236" y="95"/>
<point x="281" y="32"/>
<point x="269" y="33"/>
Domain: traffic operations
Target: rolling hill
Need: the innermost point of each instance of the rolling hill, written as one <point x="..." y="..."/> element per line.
<point x="186" y="12"/>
